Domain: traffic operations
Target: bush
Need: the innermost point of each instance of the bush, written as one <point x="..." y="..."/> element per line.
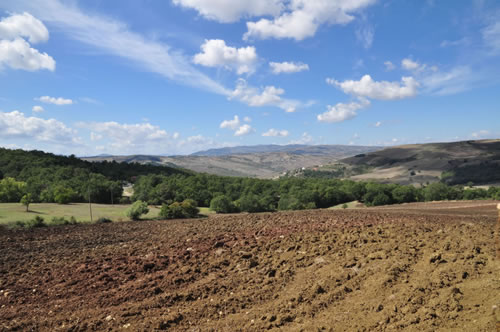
<point x="136" y="210"/>
<point x="104" y="220"/>
<point x="36" y="222"/>
<point x="222" y="204"/>
<point x="176" y="210"/>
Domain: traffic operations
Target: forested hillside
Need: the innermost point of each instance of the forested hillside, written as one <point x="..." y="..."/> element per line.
<point x="51" y="178"/>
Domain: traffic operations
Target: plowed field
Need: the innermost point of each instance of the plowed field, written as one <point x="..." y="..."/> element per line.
<point x="414" y="267"/>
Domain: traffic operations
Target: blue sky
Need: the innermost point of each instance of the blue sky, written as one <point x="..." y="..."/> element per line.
<point x="178" y="76"/>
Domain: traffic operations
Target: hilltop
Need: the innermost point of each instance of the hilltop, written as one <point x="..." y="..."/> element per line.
<point x="454" y="163"/>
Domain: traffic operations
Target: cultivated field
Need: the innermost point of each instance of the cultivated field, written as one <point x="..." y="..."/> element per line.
<point x="417" y="267"/>
<point x="12" y="212"/>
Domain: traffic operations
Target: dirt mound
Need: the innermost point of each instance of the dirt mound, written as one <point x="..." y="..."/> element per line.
<point x="419" y="267"/>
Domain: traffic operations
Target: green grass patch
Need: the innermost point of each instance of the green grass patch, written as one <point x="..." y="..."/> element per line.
<point x="13" y="212"/>
<point x="206" y="211"/>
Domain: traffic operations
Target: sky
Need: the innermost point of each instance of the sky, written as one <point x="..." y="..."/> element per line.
<point x="170" y="77"/>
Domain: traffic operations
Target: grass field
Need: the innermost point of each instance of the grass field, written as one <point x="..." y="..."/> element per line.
<point x="12" y="212"/>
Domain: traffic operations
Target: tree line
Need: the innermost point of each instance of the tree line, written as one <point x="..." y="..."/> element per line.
<point x="43" y="177"/>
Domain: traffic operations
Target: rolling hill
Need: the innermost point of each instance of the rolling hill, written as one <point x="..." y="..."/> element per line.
<point x="261" y="161"/>
<point x="454" y="163"/>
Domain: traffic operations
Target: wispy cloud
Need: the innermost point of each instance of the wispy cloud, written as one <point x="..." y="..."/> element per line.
<point x="114" y="37"/>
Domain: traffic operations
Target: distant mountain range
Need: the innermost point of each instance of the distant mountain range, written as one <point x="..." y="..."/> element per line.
<point x="299" y="149"/>
<point x="262" y="161"/>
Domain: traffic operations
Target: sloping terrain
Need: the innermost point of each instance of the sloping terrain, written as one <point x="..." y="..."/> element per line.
<point x="259" y="161"/>
<point x="456" y="162"/>
<point x="415" y="267"/>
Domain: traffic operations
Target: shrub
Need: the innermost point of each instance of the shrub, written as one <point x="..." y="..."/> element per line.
<point x="104" y="220"/>
<point x="222" y="204"/>
<point x="176" y="210"/>
<point x="36" y="222"/>
<point x="136" y="210"/>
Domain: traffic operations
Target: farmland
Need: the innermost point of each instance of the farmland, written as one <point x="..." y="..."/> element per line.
<point x="412" y="267"/>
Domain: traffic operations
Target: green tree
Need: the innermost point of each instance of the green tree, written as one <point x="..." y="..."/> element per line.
<point x="222" y="204"/>
<point x="11" y="190"/>
<point x="64" y="195"/>
<point x="26" y="201"/>
<point x="136" y="210"/>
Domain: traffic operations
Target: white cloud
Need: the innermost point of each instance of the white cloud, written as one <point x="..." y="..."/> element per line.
<point x="457" y="79"/>
<point x="129" y="138"/>
<point x="288" y="67"/>
<point x="37" y="109"/>
<point x="342" y="112"/>
<point x="56" y="101"/>
<point x="303" y="17"/>
<point x="16" y="52"/>
<point x="115" y="38"/>
<point x="231" y="124"/>
<point x="389" y="66"/>
<point x="276" y="133"/>
<point x="268" y="96"/>
<point x="236" y="126"/>
<point x="304" y="139"/>
<point x="377" y="124"/>
<point x="215" y="53"/>
<point x="491" y="36"/>
<point x="15" y="125"/>
<point x="247" y="119"/>
<point x="23" y="25"/>
<point x="227" y="11"/>
<point x="367" y="87"/>
<point x="95" y="137"/>
<point x="365" y="36"/>
<point x="176" y="135"/>
<point x="245" y="129"/>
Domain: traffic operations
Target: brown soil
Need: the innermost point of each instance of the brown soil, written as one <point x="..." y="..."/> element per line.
<point x="416" y="267"/>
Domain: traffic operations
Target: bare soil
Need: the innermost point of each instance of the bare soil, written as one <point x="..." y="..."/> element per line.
<point x="413" y="267"/>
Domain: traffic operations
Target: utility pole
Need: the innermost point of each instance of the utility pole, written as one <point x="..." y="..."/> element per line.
<point x="90" y="203"/>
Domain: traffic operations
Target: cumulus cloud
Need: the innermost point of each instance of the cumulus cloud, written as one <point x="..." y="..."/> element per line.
<point x="268" y="96"/>
<point x="244" y="130"/>
<point x="238" y="128"/>
<point x="15" y="125"/>
<point x="288" y="67"/>
<point x="123" y="137"/>
<point x="389" y="66"/>
<point x="37" y="109"/>
<point x="56" y="101"/>
<point x="227" y="11"/>
<point x="231" y="124"/>
<point x="367" y="87"/>
<point x="302" y="18"/>
<point x="16" y="52"/>
<point x="342" y="112"/>
<point x="215" y="53"/>
<point x="276" y="133"/>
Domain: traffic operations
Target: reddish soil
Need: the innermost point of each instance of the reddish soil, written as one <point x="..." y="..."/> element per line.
<point x="413" y="267"/>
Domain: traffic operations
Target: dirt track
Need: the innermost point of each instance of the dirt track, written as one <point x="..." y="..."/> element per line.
<point x="412" y="267"/>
